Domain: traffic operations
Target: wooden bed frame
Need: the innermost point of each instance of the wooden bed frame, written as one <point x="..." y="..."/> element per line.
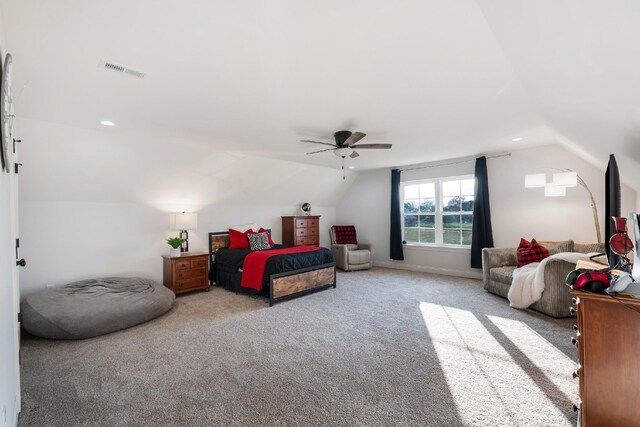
<point x="286" y="285"/>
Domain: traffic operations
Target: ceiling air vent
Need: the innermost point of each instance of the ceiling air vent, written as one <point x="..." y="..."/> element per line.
<point x="121" y="69"/>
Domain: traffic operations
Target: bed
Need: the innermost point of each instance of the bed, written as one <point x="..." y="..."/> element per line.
<point x="287" y="274"/>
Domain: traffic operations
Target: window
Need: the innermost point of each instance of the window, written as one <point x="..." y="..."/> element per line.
<point x="438" y="211"/>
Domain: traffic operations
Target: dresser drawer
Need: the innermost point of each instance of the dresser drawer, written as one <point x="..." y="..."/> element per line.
<point x="306" y="222"/>
<point x="183" y="284"/>
<point x="200" y="262"/>
<point x="306" y="232"/>
<point x="307" y="240"/>
<point x="190" y="273"/>
<point x="182" y="264"/>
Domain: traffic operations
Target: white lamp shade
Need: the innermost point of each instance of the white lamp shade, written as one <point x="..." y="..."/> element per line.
<point x="565" y="179"/>
<point x="534" y="180"/>
<point x="184" y="221"/>
<point x="343" y="152"/>
<point x="551" y="190"/>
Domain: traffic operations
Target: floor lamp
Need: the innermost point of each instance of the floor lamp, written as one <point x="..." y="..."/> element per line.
<point x="558" y="188"/>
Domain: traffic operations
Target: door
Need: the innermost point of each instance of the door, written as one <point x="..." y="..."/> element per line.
<point x="9" y="291"/>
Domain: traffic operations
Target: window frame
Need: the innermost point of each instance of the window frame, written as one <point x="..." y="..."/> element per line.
<point x="439" y="212"/>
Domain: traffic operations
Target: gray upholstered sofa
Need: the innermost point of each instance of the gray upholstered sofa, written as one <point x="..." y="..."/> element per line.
<point x="498" y="265"/>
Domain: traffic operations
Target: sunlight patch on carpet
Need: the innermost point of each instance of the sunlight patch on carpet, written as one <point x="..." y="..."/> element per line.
<point x="556" y="365"/>
<point x="488" y="373"/>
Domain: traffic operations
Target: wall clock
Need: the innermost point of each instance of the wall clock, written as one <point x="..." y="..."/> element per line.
<point x="6" y="118"/>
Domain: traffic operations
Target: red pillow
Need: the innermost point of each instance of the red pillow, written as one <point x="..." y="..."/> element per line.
<point x="238" y="239"/>
<point x="262" y="230"/>
<point x="534" y="252"/>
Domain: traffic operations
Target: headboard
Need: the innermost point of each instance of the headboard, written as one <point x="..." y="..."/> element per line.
<point x="218" y="240"/>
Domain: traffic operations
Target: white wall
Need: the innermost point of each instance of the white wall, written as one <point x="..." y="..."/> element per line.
<point x="516" y="211"/>
<point x="97" y="202"/>
<point x="9" y="390"/>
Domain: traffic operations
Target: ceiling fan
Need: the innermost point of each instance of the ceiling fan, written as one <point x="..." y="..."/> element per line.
<point x="346" y="144"/>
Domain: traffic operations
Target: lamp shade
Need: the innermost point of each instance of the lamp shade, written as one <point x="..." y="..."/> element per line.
<point x="534" y="180"/>
<point x="565" y="179"/>
<point x="184" y="221"/>
<point x="343" y="152"/>
<point x="551" y="190"/>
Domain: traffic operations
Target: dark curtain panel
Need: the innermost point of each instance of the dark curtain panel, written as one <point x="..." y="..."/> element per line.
<point x="395" y="244"/>
<point x="611" y="206"/>
<point x="482" y="234"/>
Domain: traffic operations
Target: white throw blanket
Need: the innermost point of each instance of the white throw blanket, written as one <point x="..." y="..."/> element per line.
<point x="528" y="281"/>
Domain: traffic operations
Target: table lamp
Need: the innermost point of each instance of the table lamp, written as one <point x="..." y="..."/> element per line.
<point x="184" y="221"/>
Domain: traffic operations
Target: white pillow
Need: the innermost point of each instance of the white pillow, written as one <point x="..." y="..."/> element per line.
<point x="244" y="227"/>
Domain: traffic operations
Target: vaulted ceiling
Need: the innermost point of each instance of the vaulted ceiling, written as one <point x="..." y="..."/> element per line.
<point x="437" y="79"/>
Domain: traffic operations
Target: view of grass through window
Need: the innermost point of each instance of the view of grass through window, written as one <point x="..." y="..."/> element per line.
<point x="439" y="211"/>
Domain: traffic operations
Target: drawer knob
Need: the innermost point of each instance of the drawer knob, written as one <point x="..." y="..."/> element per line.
<point x="574" y="341"/>
<point x="575" y="328"/>
<point x="572" y="310"/>
<point x="576" y="408"/>
<point x="576" y="373"/>
<point x="575" y="300"/>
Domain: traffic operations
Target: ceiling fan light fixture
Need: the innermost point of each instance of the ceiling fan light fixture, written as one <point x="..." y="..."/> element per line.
<point x="343" y="152"/>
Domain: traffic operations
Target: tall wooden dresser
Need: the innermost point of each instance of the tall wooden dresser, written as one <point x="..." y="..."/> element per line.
<point x="608" y="341"/>
<point x="301" y="230"/>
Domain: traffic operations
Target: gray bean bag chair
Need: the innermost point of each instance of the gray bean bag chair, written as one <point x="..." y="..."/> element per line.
<point x="94" y="307"/>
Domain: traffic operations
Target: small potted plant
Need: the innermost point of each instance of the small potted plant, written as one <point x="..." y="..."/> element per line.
<point x="175" y="243"/>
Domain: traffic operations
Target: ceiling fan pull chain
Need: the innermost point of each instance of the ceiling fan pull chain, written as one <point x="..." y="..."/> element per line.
<point x="343" y="178"/>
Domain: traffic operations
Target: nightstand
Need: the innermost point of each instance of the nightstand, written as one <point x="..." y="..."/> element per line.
<point x="186" y="273"/>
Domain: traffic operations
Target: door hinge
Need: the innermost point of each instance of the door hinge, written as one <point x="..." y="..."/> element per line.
<point x="16" y="166"/>
<point x="14" y="144"/>
<point x="19" y="317"/>
<point x="17" y="248"/>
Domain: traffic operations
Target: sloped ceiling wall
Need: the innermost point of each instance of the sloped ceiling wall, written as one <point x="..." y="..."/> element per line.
<point x="579" y="61"/>
<point x="427" y="76"/>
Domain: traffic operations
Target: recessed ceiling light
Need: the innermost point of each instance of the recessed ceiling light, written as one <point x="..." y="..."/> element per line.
<point x="107" y="123"/>
<point x="352" y="167"/>
<point x="517" y="139"/>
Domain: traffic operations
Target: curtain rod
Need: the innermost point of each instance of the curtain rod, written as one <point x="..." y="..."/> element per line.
<point x="455" y="162"/>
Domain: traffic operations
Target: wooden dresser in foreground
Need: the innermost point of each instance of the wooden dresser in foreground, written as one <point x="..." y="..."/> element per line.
<point x="186" y="273"/>
<point x="608" y="341"/>
<point x="301" y="230"/>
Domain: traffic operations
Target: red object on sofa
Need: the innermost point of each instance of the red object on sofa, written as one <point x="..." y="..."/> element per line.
<point x="530" y="252"/>
<point x="345" y="234"/>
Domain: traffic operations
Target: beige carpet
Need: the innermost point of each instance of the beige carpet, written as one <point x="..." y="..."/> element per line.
<point x="385" y="348"/>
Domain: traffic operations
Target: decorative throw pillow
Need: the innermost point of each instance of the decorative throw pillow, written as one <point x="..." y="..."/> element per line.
<point x="345" y="234"/>
<point x="238" y="239"/>
<point x="534" y="252"/>
<point x="259" y="241"/>
<point x="262" y="230"/>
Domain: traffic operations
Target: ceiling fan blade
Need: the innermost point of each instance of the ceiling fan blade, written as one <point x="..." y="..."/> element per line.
<point x="354" y="154"/>
<point x="355" y="137"/>
<point x="321" y="151"/>
<point x="317" y="142"/>
<point x="383" y="146"/>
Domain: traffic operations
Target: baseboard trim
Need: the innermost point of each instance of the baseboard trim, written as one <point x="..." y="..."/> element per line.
<point x="425" y="269"/>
